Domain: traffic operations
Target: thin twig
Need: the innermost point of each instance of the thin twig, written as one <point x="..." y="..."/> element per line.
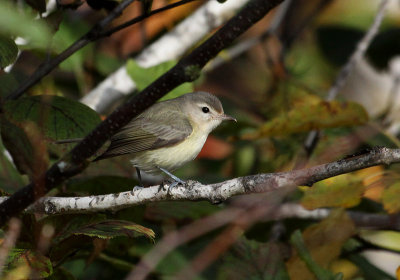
<point x="76" y="160"/>
<point x="344" y="73"/>
<point x="359" y="52"/>
<point x="172" y="45"/>
<point x="117" y="28"/>
<point x="94" y="34"/>
<point x="245" y="45"/>
<point x="216" y="192"/>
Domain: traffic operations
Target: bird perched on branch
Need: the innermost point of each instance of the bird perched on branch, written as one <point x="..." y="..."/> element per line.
<point x="168" y="134"/>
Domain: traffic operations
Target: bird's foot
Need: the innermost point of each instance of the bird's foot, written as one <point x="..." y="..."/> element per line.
<point x="171" y="184"/>
<point x="175" y="180"/>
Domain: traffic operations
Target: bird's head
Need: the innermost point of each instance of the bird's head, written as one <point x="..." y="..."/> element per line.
<point x="204" y="110"/>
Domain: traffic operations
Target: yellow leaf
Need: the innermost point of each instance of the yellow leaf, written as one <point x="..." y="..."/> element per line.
<point x="390" y="198"/>
<point x="372" y="180"/>
<point x="349" y="269"/>
<point x="340" y="191"/>
<point x="324" y="242"/>
<point x="306" y="117"/>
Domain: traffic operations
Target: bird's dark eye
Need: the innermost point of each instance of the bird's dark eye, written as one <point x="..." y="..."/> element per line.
<point x="205" y="109"/>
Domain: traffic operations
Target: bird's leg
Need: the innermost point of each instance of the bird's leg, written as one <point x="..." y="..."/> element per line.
<point x="140" y="179"/>
<point x="173" y="177"/>
<point x="161" y="187"/>
<point x="139" y="176"/>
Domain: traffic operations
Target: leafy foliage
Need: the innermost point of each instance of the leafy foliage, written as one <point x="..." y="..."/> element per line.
<point x="277" y="93"/>
<point x="341" y="191"/>
<point x="390" y="198"/>
<point x="312" y="116"/>
<point x="145" y="76"/>
<point x="320" y="273"/>
<point x="22" y="263"/>
<point x="319" y="245"/>
<point x="26" y="145"/>
<point x="250" y="259"/>
<point x="8" y="51"/>
<point x="14" y="23"/>
<point x="110" y="229"/>
<point x="58" y="117"/>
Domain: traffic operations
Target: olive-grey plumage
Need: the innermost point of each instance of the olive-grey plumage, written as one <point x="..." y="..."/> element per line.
<point x="169" y="133"/>
<point x="150" y="131"/>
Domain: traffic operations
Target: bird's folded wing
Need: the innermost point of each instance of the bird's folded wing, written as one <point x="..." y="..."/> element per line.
<point x="150" y="131"/>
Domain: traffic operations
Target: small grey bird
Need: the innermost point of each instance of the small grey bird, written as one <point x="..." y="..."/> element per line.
<point x="168" y="134"/>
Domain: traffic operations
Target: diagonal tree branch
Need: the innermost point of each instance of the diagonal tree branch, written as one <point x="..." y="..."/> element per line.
<point x="187" y="69"/>
<point x="217" y="192"/>
<point x="171" y="45"/>
<point x="97" y="32"/>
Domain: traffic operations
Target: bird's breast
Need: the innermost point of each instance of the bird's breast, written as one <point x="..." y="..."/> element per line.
<point x="171" y="157"/>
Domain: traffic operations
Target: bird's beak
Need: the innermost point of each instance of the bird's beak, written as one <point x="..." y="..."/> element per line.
<point x="227" y="118"/>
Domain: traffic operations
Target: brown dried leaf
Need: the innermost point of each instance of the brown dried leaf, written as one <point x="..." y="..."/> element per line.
<point x="324" y="242"/>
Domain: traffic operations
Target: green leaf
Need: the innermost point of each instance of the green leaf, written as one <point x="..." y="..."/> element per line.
<point x="26" y="146"/>
<point x="16" y="22"/>
<point x="10" y="178"/>
<point x="8" y="51"/>
<point x="80" y="232"/>
<point x="390" y="198"/>
<point x="67" y="34"/>
<point x="96" y="226"/>
<point x="106" y="64"/>
<point x="245" y="158"/>
<point x="57" y="117"/>
<point x="340" y="191"/>
<point x="306" y="117"/>
<point x="64" y="242"/>
<point x="8" y="83"/>
<point x="113" y="228"/>
<point x="29" y="263"/>
<point x="250" y="259"/>
<point x="145" y="76"/>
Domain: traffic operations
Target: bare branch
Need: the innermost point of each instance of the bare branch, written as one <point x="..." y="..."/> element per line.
<point x="359" y="52"/>
<point x="341" y="78"/>
<point x="245" y="45"/>
<point x="170" y="46"/>
<point x="217" y="192"/>
<point x="186" y="70"/>
<point x="360" y="219"/>
<point x="94" y="34"/>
